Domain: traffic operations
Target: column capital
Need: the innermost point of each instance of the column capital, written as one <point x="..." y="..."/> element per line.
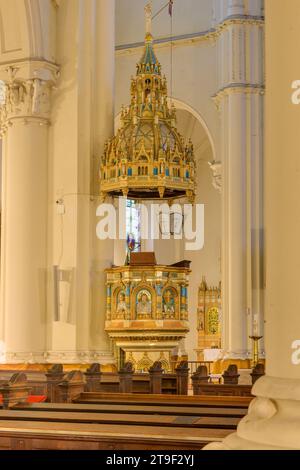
<point x="27" y="91"/>
<point x="29" y="69"/>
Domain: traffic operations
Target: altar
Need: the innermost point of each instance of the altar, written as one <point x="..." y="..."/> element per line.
<point x="212" y="354"/>
<point x="147" y="310"/>
<point x="209" y="322"/>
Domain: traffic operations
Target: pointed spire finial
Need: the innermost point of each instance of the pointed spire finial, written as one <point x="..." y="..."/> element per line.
<point x="148" y="18"/>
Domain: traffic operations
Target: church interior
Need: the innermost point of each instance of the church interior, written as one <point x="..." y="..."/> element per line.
<point x="149" y="225"/>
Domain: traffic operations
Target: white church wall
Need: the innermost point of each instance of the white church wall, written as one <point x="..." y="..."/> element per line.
<point x="63" y="176"/>
<point x="15" y="34"/>
<point x="225" y="8"/>
<point x="205" y="262"/>
<point x="28" y="30"/>
<point x="189" y="16"/>
<point x="76" y="127"/>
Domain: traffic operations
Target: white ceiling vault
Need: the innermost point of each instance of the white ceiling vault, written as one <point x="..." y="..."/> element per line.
<point x="191" y="128"/>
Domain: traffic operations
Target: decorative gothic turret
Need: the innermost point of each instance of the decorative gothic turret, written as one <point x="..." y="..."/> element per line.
<point x="148" y="158"/>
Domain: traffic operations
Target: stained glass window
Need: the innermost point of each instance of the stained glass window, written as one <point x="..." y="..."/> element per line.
<point x="133" y="223"/>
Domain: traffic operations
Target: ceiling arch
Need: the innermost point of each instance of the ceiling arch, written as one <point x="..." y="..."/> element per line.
<point x="181" y="105"/>
<point x="191" y="128"/>
<point x="25" y="29"/>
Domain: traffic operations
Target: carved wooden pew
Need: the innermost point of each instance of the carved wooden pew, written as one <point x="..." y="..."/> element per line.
<point x="120" y="421"/>
<point x="159" y="422"/>
<point x="222" y="390"/>
<point x="229" y="387"/>
<point x="182" y="378"/>
<point x="70" y="387"/>
<point x="76" y="416"/>
<point x="257" y="372"/>
<point x="125" y="381"/>
<point x="146" y="400"/>
<point x="126" y="378"/>
<point x="155" y="373"/>
<point x="211" y="407"/>
<point x="15" y="390"/>
<point x="36" y="379"/>
<point x="199" y="378"/>
<point x="153" y="422"/>
<point x="231" y="375"/>
<point x="93" y="378"/>
<point x="61" y="435"/>
<point x="53" y="377"/>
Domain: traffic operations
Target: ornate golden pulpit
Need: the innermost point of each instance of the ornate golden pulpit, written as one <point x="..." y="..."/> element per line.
<point x="146" y="313"/>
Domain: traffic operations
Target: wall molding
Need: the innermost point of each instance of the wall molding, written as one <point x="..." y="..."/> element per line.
<point x="65" y="357"/>
<point x="210" y="35"/>
<point x="244" y="88"/>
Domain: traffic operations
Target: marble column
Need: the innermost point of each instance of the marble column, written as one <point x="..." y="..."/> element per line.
<point x="240" y="102"/>
<point x="273" y="420"/>
<point x="24" y="128"/>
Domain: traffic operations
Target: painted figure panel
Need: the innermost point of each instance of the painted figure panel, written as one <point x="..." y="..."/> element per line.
<point x="143" y="304"/>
